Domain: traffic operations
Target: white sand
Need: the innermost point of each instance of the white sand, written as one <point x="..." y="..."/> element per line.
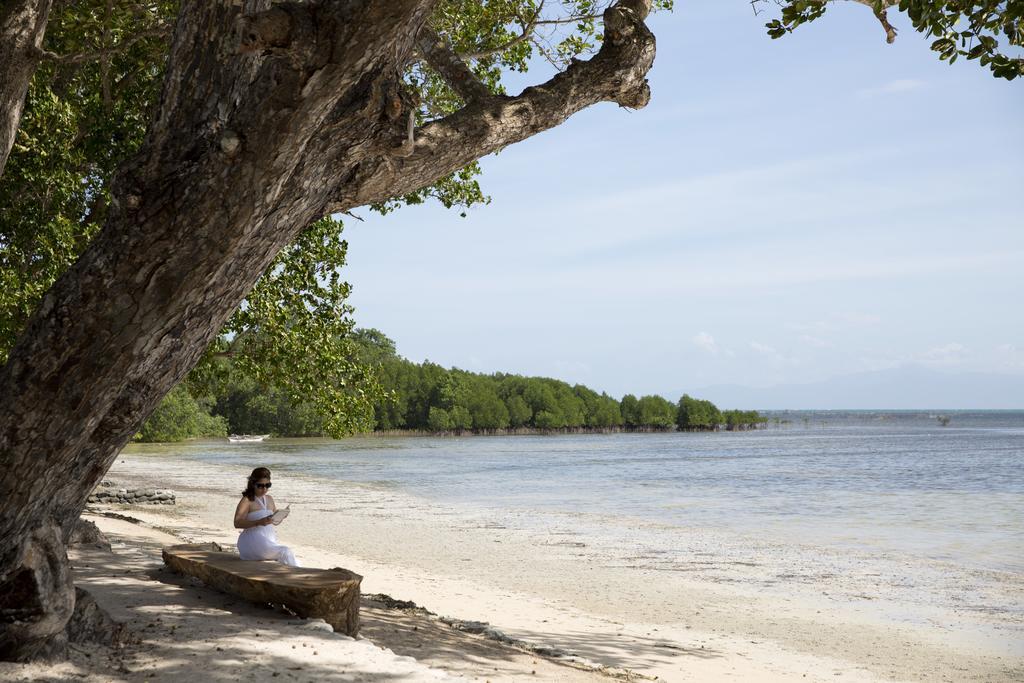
<point x="568" y="592"/>
<point x="187" y="632"/>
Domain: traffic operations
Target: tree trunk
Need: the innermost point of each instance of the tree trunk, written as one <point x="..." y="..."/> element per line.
<point x="267" y="121"/>
<point x="22" y="26"/>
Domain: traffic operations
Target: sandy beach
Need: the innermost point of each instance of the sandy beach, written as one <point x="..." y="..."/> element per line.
<point x="746" y="612"/>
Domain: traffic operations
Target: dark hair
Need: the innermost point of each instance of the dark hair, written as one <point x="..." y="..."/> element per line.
<point x="250" y="484"/>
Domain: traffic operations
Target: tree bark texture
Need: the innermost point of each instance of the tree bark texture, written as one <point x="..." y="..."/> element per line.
<point x="22" y="26"/>
<point x="271" y="116"/>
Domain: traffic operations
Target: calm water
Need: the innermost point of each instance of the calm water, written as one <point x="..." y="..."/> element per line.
<point x="883" y="482"/>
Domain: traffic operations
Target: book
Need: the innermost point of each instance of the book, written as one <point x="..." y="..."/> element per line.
<point x="281" y="514"/>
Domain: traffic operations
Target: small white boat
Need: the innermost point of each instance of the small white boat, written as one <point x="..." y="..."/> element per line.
<point x="247" y="438"/>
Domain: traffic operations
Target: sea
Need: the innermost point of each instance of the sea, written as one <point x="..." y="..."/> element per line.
<point x="886" y="483"/>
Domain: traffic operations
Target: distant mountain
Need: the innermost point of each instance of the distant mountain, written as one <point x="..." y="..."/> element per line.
<point x="903" y="388"/>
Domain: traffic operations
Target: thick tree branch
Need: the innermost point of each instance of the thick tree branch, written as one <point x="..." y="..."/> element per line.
<point x="440" y="56"/>
<point x="22" y="27"/>
<point x="616" y="74"/>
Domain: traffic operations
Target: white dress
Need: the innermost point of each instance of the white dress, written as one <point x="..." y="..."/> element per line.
<point x="260" y="542"/>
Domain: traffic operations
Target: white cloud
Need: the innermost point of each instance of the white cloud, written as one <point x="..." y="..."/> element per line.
<point x="947" y="354"/>
<point x="763" y="349"/>
<point x="815" y="342"/>
<point x="896" y="87"/>
<point x="707" y="342"/>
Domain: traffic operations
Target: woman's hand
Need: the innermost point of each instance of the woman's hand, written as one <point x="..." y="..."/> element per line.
<point x="269" y="519"/>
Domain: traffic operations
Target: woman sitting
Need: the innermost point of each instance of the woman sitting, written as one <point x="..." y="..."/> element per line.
<point x="255" y="516"/>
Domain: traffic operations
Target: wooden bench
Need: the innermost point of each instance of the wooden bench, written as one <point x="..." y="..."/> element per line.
<point x="328" y="594"/>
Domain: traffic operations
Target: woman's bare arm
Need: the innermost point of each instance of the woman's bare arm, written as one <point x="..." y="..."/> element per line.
<point x="240" y="512"/>
<point x="240" y="516"/>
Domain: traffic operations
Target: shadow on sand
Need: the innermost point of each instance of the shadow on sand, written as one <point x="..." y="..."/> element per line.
<point x="186" y="631"/>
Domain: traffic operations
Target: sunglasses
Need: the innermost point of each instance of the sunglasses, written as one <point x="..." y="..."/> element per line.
<point x="263" y="486"/>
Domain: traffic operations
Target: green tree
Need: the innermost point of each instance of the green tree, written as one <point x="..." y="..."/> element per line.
<point x="250" y="408"/>
<point x="630" y="409"/>
<point x="439" y="420"/>
<point x="180" y="416"/>
<point x="488" y="410"/>
<point x="461" y="418"/>
<point x="606" y="413"/>
<point x="741" y="419"/>
<point x="425" y="388"/>
<point x="602" y="411"/>
<point x="570" y="406"/>
<point x="82" y="118"/>
<point x="541" y="399"/>
<point x="548" y="420"/>
<point x="294" y="332"/>
<point x="696" y="414"/>
<point x="519" y="413"/>
<point x="656" y="412"/>
<point x="391" y="409"/>
<point x="376" y="346"/>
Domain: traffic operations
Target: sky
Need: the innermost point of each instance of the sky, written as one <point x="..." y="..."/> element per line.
<point x="783" y="211"/>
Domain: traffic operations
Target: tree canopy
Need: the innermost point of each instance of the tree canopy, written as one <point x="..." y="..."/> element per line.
<point x="425" y="397"/>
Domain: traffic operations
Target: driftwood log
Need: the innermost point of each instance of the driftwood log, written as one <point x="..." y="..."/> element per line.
<point x="328" y="594"/>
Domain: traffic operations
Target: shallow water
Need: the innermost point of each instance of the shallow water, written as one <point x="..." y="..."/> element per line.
<point x="897" y="485"/>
